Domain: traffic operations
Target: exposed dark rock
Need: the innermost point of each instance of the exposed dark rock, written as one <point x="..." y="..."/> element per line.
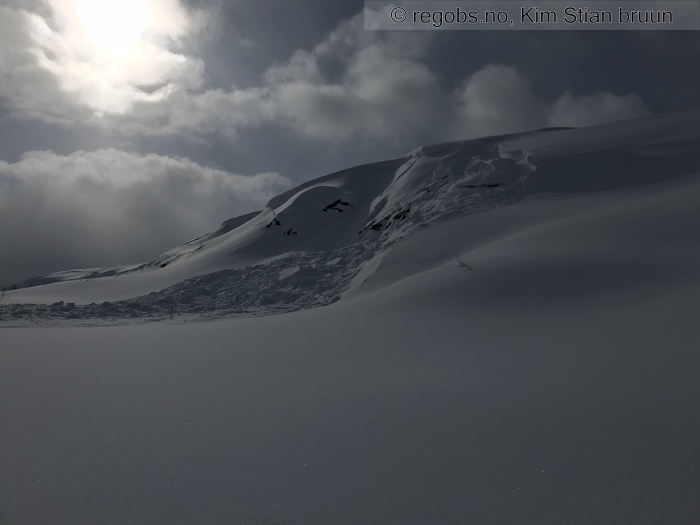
<point x="335" y="205"/>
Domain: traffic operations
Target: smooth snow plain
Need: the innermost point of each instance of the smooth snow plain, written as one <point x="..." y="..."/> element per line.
<point x="553" y="380"/>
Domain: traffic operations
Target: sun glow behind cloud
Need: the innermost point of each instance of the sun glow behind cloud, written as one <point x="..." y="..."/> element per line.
<point x="111" y="54"/>
<point x="115" y="27"/>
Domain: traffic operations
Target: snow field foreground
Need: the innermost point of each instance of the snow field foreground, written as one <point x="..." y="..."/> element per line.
<point x="412" y="404"/>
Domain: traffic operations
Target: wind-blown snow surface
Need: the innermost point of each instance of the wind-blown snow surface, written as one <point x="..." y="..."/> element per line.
<point x="553" y="382"/>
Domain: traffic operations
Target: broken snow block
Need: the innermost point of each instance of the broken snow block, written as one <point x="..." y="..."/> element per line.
<point x="402" y="214"/>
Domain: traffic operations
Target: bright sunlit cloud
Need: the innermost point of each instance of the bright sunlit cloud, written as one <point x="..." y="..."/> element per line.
<point x="108" y="55"/>
<point x="114" y="26"/>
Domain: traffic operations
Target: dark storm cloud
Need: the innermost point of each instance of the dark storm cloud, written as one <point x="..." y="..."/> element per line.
<point x="384" y="91"/>
<point x="384" y="88"/>
<point x="499" y="99"/>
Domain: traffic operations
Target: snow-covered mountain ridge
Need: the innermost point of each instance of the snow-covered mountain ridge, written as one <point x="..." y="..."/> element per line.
<point x="322" y="240"/>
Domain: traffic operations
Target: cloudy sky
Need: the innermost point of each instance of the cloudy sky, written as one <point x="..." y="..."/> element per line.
<point x="130" y="126"/>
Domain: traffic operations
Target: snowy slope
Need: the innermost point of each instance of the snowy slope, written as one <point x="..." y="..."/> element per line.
<point x="553" y="380"/>
<point x="322" y="240"/>
<point x="534" y="389"/>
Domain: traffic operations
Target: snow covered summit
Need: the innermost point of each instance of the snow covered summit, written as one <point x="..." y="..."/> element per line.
<point x="325" y="238"/>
